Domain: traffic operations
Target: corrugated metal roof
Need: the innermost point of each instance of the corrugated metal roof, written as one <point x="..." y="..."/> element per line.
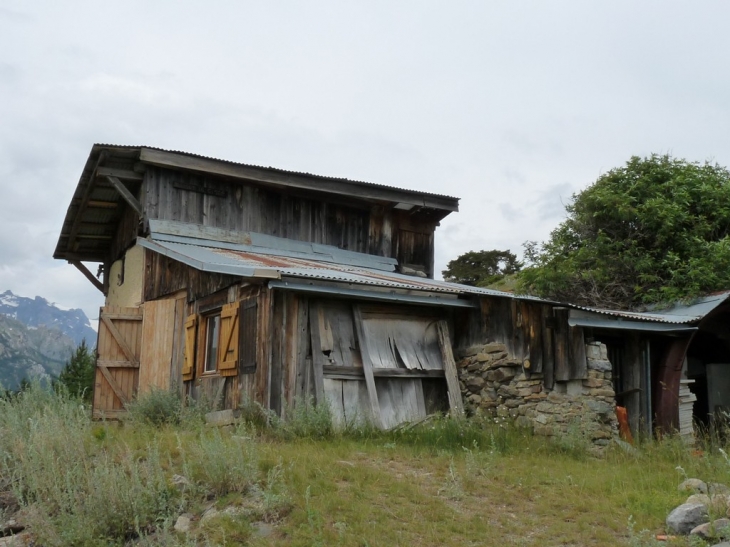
<point x="678" y="313"/>
<point x="275" y="169"/>
<point x="267" y="266"/>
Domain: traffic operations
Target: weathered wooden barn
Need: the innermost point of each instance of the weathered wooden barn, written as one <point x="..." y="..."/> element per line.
<point x="238" y="283"/>
<point x="242" y="283"/>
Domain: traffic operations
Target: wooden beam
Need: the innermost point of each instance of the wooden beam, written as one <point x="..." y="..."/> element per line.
<point x="126" y="194"/>
<point x="82" y="205"/>
<point x="119" y="339"/>
<point x="452" y="380"/>
<point x="90" y="276"/>
<point x="98" y="204"/>
<point x="367" y="368"/>
<point x="118" y="173"/>
<point x="275" y="177"/>
<point x="114" y="385"/>
<point x="356" y="373"/>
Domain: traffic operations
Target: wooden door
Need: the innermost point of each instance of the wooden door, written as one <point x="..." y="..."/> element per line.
<point x="158" y="328"/>
<point x="117" y="363"/>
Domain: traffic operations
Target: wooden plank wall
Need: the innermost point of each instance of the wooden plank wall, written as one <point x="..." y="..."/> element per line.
<point x="165" y="276"/>
<point x="535" y="333"/>
<point x="158" y="332"/>
<point x="347" y="224"/>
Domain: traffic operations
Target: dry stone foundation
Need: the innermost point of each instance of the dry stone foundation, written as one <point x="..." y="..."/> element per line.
<point x="495" y="384"/>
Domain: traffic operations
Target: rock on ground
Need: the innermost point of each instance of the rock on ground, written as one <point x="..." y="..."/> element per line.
<point x="686" y="517"/>
<point x="717" y="529"/>
<point x="696" y="486"/>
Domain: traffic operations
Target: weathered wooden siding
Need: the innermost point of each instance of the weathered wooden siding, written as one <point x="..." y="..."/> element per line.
<point x="347" y="224"/>
<point x="535" y="333"/>
<point x="165" y="276"/>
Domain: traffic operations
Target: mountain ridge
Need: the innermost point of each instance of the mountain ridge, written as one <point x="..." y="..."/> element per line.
<point x="37" y="338"/>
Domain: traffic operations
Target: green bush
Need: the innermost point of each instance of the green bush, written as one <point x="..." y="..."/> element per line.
<point x="156" y="407"/>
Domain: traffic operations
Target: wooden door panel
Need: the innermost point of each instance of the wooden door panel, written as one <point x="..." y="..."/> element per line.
<point x="117" y="365"/>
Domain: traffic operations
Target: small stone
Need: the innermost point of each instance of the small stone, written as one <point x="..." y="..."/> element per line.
<point x="704" y="499"/>
<point x="494" y="347"/>
<point x="686" y="517"/>
<point x="471" y="351"/>
<point x="508" y="391"/>
<point x="599" y="364"/>
<point x="475" y="384"/>
<point x="717" y="529"/>
<point x="693" y="485"/>
<point x="714" y="488"/>
<point x="484" y="357"/>
<point x="182" y="524"/>
<point x="593" y="382"/>
<point x="523" y="422"/>
<point x="602" y="392"/>
<point x="503" y="374"/>
<point x="474" y="399"/>
<point x="600" y="407"/>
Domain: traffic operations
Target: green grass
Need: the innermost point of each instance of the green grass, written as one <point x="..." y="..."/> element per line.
<point x="445" y="482"/>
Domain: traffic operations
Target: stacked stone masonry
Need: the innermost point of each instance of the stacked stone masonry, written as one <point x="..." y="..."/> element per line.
<point x="495" y="384"/>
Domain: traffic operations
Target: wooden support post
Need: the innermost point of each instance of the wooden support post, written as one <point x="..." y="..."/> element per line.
<point x="126" y="194"/>
<point x="90" y="276"/>
<point x="367" y="368"/>
<point x="318" y="360"/>
<point x="561" y="344"/>
<point x="452" y="380"/>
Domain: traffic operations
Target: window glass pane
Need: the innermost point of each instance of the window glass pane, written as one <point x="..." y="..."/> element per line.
<point x="211" y="344"/>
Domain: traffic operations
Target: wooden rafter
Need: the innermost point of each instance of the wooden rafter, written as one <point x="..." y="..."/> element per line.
<point x="84" y="270"/>
<point x="126" y="194"/>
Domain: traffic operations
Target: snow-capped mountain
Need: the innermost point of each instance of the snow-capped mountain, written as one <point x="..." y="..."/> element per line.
<point x="37" y="312"/>
<point x="37" y="338"/>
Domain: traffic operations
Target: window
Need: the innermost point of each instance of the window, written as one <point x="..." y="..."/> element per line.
<point x="221" y="340"/>
<point x="212" y="335"/>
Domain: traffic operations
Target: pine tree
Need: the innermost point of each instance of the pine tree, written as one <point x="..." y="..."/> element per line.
<point x="77" y="375"/>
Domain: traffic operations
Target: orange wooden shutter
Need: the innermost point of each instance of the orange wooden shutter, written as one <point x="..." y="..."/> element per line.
<point x="228" y="346"/>
<point x="189" y="362"/>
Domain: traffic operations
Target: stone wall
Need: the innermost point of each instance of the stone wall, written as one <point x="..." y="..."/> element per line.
<point x="495" y="384"/>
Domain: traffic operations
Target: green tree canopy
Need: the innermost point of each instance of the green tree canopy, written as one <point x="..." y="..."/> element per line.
<point x="78" y="374"/>
<point x="481" y="268"/>
<point x="654" y="230"/>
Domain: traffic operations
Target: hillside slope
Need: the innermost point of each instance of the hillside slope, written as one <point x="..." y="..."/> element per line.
<point x="37" y="338"/>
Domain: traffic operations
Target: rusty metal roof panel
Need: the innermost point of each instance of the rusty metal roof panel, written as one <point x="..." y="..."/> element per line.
<point x="256" y="264"/>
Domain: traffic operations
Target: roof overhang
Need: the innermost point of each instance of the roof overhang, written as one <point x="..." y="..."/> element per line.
<point x="578" y="318"/>
<point x="110" y="183"/>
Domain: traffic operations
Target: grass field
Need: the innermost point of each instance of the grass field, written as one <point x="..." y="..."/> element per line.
<point x="300" y="483"/>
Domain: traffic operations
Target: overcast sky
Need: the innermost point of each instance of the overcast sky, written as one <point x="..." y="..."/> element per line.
<point x="511" y="106"/>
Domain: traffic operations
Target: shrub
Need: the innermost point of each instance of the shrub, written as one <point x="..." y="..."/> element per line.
<point x="156" y="407"/>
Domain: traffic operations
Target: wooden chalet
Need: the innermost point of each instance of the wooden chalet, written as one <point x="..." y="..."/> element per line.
<point x="240" y="283"/>
<point x="235" y="283"/>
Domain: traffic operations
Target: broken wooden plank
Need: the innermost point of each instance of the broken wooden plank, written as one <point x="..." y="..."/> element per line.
<point x="452" y="381"/>
<point x="367" y="367"/>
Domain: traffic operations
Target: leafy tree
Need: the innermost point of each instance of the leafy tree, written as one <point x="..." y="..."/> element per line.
<point x="77" y="375"/>
<point x="481" y="268"/>
<point x="654" y="230"/>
